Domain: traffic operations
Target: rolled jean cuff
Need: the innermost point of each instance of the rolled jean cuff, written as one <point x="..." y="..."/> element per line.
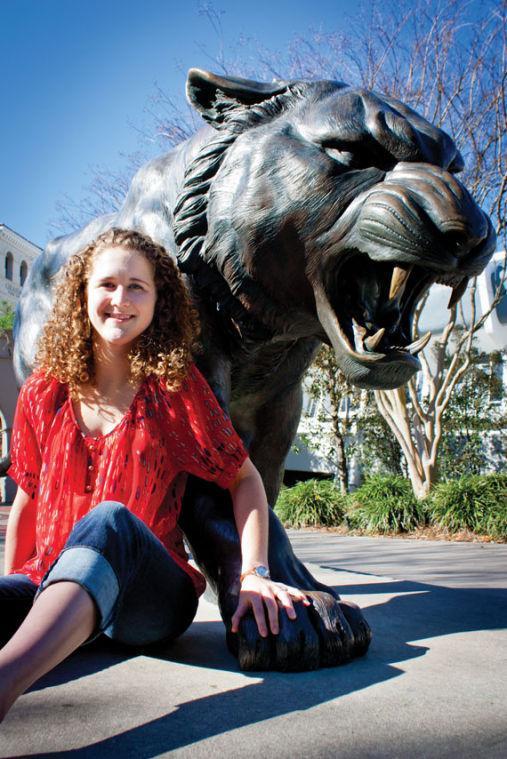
<point x="88" y="568"/>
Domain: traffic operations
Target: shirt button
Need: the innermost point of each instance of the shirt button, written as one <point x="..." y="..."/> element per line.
<point x="90" y="467"/>
<point x="88" y="489"/>
<point x="91" y="448"/>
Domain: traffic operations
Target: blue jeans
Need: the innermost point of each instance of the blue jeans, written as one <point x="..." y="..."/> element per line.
<point x="142" y="596"/>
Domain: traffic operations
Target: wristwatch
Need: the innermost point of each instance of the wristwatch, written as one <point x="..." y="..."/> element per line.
<point x="258" y="571"/>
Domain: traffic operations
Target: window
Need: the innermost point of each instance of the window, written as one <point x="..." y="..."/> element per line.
<point x="496" y="277"/>
<point x="310" y="406"/>
<point x="9" y="261"/>
<point x="23" y="271"/>
<point x="495" y="372"/>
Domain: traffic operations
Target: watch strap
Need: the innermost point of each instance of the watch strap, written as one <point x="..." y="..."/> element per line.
<point x="260" y="571"/>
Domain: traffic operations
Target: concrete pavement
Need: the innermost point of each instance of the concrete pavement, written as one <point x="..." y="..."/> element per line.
<point x="433" y="684"/>
<point x="444" y="563"/>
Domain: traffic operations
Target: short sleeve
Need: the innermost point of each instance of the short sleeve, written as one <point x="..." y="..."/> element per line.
<point x="218" y="453"/>
<point x="25" y="453"/>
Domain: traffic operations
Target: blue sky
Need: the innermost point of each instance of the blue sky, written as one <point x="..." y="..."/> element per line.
<point x="77" y="74"/>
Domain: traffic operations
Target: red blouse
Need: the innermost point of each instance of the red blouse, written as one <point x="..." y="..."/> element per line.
<point x="143" y="462"/>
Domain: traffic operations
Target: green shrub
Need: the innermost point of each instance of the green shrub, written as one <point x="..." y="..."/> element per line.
<point x="385" y="504"/>
<point x="311" y="503"/>
<point x="6" y="317"/>
<point x="476" y="502"/>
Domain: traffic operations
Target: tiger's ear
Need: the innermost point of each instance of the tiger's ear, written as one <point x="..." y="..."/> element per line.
<point x="216" y="96"/>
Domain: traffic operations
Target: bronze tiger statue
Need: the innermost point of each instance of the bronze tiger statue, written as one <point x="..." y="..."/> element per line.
<point x="305" y="212"/>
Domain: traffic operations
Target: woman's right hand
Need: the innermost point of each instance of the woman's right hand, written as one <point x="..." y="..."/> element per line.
<point x="266" y="596"/>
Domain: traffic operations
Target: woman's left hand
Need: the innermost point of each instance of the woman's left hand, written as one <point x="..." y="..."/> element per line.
<point x="263" y="596"/>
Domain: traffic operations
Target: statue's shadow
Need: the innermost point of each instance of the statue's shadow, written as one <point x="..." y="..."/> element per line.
<point x="415" y="612"/>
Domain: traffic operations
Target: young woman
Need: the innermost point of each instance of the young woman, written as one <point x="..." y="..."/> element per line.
<point x="106" y="430"/>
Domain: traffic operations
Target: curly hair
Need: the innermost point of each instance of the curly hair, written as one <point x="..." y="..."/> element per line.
<point x="164" y="349"/>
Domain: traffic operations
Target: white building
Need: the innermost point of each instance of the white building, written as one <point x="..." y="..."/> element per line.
<point x="493" y="335"/>
<point x="16" y="256"/>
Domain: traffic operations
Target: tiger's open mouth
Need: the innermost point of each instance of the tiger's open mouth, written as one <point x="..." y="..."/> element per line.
<point x="367" y="307"/>
<point x="374" y="304"/>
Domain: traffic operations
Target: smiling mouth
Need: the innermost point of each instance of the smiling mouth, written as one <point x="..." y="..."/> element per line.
<point x="119" y="317"/>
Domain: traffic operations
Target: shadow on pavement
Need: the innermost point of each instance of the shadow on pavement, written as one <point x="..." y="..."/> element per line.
<point x="415" y="612"/>
<point x="419" y="611"/>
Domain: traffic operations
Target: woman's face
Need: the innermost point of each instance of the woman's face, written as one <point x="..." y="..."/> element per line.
<point x="121" y="296"/>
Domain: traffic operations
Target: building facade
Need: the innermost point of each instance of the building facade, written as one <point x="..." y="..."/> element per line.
<point x="16" y="256"/>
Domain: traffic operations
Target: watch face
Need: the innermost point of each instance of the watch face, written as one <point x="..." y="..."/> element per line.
<point x="262" y="572"/>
